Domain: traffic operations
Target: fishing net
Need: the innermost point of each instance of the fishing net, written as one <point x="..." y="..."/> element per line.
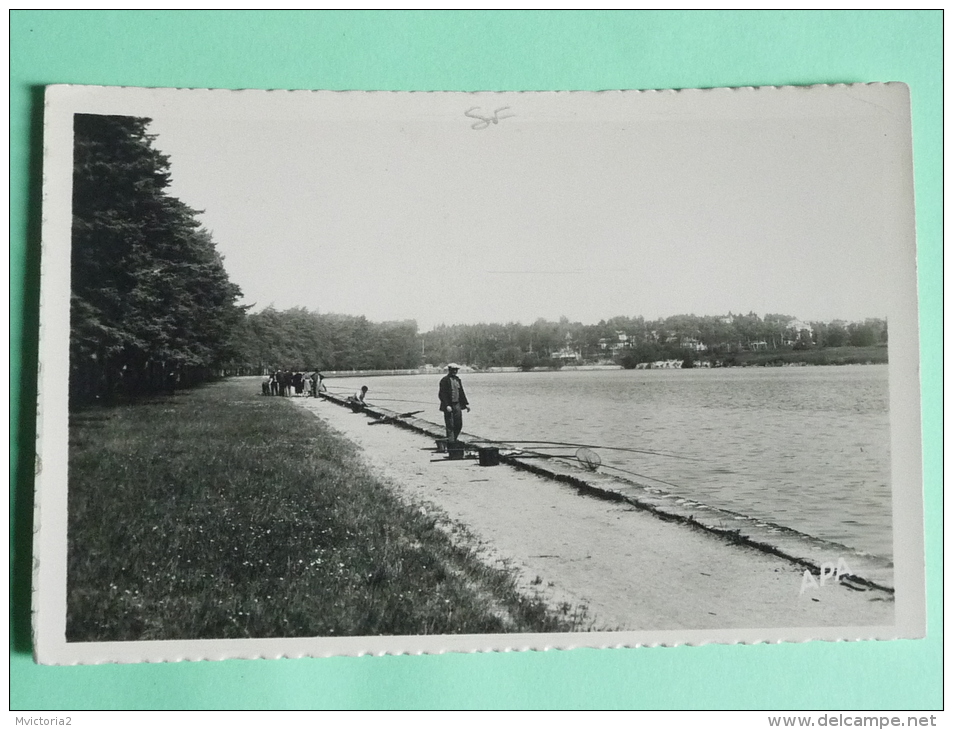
<point x="588" y="458"/>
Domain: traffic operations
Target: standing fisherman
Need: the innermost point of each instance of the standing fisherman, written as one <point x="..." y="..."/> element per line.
<point x="452" y="402"/>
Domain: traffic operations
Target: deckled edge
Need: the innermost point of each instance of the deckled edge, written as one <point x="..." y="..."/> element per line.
<point x="481" y="643"/>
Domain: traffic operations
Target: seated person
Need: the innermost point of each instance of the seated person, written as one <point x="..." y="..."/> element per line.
<point x="356" y="401"/>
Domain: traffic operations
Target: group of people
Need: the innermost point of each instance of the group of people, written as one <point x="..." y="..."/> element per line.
<point x="288" y="382"/>
<point x="453" y="399"/>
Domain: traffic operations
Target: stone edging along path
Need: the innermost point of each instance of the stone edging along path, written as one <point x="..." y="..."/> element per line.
<point x="814" y="555"/>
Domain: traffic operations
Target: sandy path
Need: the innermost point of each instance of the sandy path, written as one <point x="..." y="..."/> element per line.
<point x="632" y="570"/>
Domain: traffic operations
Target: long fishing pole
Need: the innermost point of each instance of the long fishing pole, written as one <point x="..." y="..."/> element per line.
<point x="641" y="476"/>
<point x="559" y="444"/>
<point x="588" y="446"/>
<point x="377" y="399"/>
<point x="393" y="419"/>
<point x="591" y="461"/>
<point x="404" y="400"/>
<point x="595" y="465"/>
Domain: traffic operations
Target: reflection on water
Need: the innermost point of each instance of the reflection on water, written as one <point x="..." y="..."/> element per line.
<point x="807" y="448"/>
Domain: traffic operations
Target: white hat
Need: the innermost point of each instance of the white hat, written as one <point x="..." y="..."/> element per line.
<point x="453" y="366"/>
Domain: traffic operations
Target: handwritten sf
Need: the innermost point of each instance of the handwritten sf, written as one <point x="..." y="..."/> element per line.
<point x="486" y="121"/>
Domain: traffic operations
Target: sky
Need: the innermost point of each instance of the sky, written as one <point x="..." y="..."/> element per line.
<point x="439" y="208"/>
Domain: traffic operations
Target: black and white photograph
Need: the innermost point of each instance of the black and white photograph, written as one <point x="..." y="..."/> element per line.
<point x="340" y="373"/>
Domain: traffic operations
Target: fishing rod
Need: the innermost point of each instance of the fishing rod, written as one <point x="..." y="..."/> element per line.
<point x="392" y="419"/>
<point x="641" y="476"/>
<point x="555" y="444"/>
<point x="593" y="462"/>
<point x="586" y="457"/>
<point x="377" y="399"/>
<point x="540" y="444"/>
<point x="404" y="400"/>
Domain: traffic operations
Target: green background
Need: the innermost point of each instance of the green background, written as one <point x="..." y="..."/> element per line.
<point x="474" y="50"/>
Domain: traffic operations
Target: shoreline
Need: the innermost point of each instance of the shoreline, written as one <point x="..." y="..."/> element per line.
<point x="330" y="374"/>
<point x="797" y="547"/>
<point x="523" y="515"/>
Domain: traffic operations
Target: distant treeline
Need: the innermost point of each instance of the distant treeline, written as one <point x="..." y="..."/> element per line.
<point x="151" y="306"/>
<point x="301" y="339"/>
<point x="298" y="339"/>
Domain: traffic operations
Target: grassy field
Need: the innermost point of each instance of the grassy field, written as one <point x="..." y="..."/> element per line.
<point x="820" y="356"/>
<point x="217" y="513"/>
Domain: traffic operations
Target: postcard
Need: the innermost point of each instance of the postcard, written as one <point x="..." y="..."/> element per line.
<point x="342" y="373"/>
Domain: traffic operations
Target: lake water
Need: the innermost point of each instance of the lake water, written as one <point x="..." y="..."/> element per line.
<point x="807" y="448"/>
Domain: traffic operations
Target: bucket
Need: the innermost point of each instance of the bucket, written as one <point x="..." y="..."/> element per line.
<point x="489" y="456"/>
<point x="456" y="451"/>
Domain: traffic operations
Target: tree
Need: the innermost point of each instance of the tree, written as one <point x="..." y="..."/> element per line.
<point x="529" y="361"/>
<point x="836" y="335"/>
<point x="151" y="305"/>
<point x="862" y="334"/>
<point x="297" y="339"/>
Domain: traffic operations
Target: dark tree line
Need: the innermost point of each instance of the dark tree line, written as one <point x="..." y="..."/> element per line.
<point x="303" y="340"/>
<point x="298" y="339"/>
<point x="151" y="306"/>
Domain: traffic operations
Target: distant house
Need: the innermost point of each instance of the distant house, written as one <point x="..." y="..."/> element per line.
<point x="693" y="344"/>
<point x="615" y="345"/>
<point x="797" y="325"/>
<point x="796" y="328"/>
<point x="567" y="354"/>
